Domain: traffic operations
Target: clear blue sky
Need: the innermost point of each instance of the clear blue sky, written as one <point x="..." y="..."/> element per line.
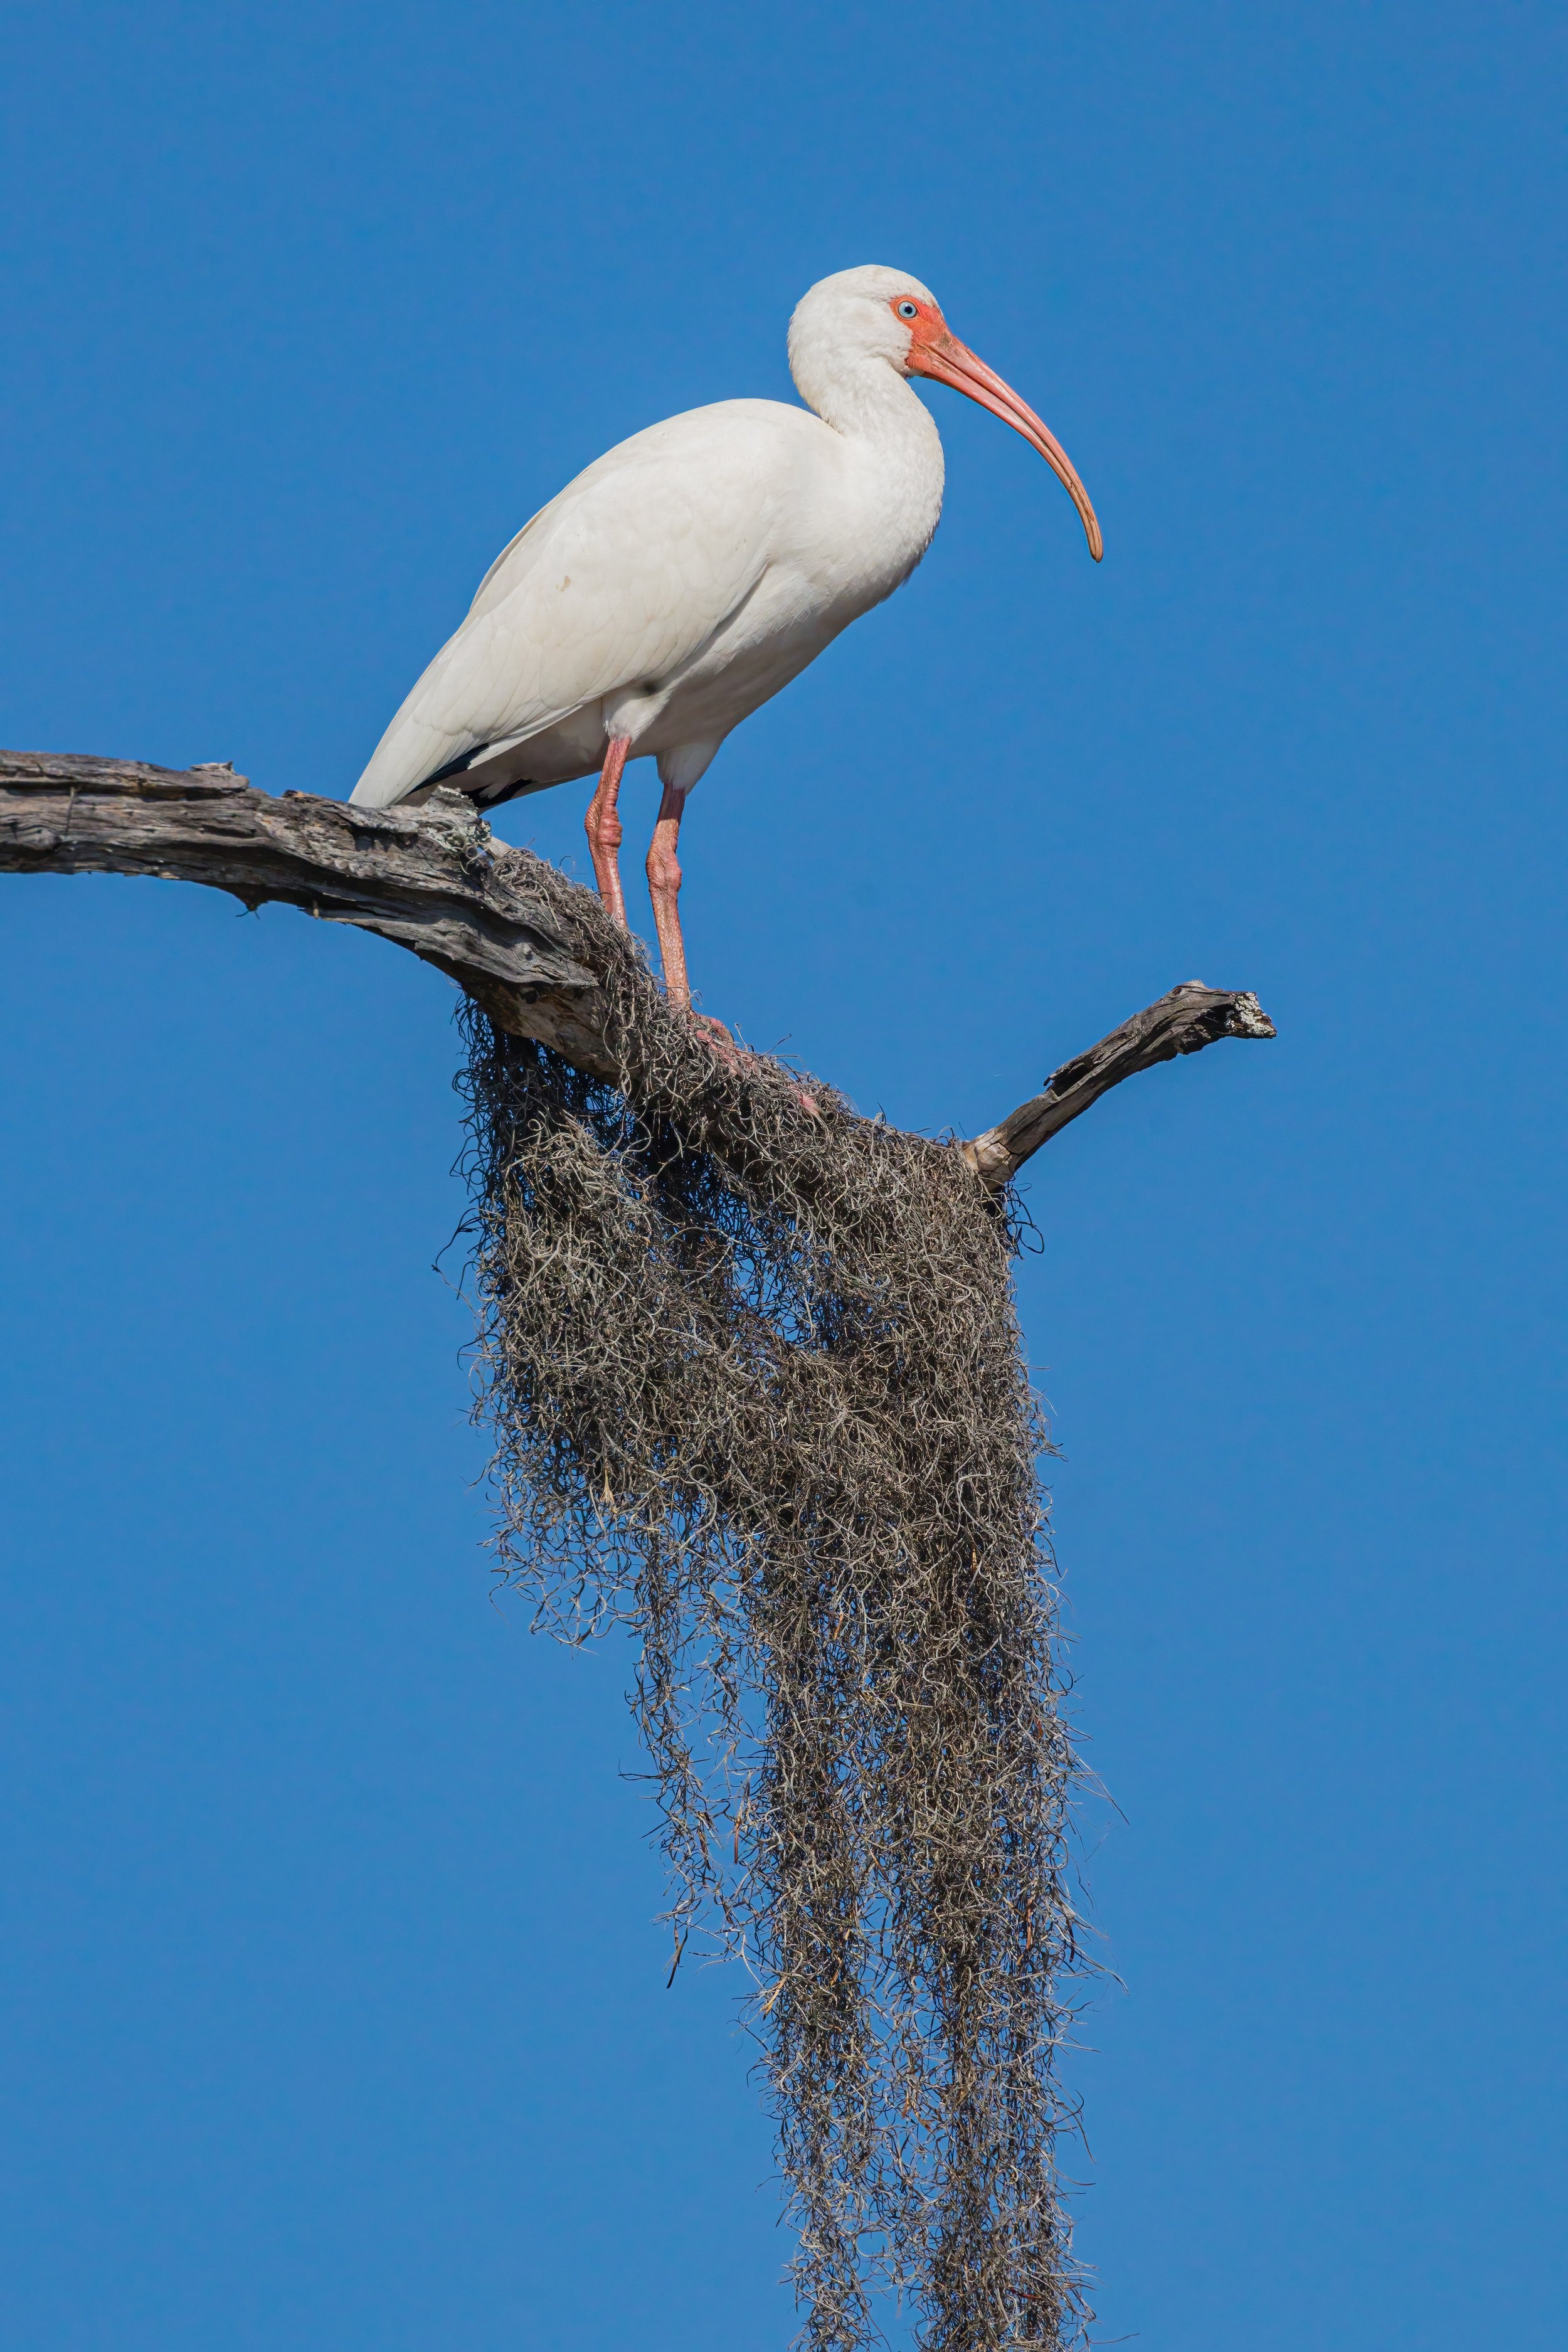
<point x="331" y="2016"/>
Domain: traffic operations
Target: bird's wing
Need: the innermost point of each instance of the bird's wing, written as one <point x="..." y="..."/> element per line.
<point x="482" y="602"/>
<point x="624" y="579"/>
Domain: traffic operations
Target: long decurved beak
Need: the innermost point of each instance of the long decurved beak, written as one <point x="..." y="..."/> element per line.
<point x="950" y="361"/>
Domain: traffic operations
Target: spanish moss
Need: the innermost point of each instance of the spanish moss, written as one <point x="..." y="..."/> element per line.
<point x="754" y="1381"/>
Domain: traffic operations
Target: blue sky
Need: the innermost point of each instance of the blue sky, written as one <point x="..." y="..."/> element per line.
<point x="332" y="2013"/>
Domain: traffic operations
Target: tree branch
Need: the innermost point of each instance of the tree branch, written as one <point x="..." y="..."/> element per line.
<point x="1182" y="1022"/>
<point x="431" y="880"/>
<point x="434" y="881"/>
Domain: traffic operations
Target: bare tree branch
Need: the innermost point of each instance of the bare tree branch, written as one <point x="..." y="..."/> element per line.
<point x="434" y="881"/>
<point x="1182" y="1022"/>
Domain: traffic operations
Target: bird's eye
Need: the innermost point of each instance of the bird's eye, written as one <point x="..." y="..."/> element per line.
<point x="909" y="311"/>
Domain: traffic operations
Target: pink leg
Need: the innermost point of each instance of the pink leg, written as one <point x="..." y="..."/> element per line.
<point x="664" y="889"/>
<point x="603" y="827"/>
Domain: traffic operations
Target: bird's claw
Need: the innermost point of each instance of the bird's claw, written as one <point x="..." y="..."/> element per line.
<point x="713" y="1033"/>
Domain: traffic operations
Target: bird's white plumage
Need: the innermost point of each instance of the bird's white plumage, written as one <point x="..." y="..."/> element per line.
<point x="687" y="575"/>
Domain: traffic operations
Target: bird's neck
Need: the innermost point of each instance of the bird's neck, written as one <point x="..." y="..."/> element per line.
<point x="892" y="437"/>
<point x="868" y="400"/>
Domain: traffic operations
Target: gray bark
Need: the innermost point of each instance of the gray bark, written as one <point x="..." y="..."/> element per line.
<point x="1188" y="1018"/>
<point x="436" y="881"/>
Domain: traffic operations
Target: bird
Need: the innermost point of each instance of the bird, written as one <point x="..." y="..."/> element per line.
<point x="690" y="572"/>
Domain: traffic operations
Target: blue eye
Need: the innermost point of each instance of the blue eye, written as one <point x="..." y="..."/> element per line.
<point x="908" y="310"/>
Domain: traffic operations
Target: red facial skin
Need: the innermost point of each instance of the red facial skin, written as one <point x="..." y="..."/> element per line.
<point x="936" y="351"/>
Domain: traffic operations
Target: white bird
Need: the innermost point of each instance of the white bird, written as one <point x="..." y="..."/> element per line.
<point x="690" y="573"/>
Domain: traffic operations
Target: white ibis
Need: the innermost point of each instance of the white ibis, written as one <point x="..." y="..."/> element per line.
<point x="692" y="571"/>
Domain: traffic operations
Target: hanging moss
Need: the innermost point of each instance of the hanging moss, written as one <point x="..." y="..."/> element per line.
<point x="755" y="1383"/>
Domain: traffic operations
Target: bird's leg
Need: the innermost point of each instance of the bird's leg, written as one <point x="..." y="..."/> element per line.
<point x="664" y="889"/>
<point x="603" y="827"/>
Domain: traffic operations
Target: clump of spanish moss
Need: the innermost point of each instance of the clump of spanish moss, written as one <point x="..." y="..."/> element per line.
<point x="755" y="1384"/>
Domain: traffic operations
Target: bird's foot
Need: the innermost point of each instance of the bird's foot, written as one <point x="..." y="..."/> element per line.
<point x="714" y="1036"/>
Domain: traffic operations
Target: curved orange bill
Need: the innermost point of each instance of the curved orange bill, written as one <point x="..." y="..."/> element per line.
<point x="950" y="361"/>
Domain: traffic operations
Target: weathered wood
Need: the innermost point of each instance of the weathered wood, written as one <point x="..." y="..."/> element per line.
<point x="1182" y="1022"/>
<point x="434" y="881"/>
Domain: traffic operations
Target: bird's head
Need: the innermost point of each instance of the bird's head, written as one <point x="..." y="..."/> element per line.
<point x="873" y="313"/>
